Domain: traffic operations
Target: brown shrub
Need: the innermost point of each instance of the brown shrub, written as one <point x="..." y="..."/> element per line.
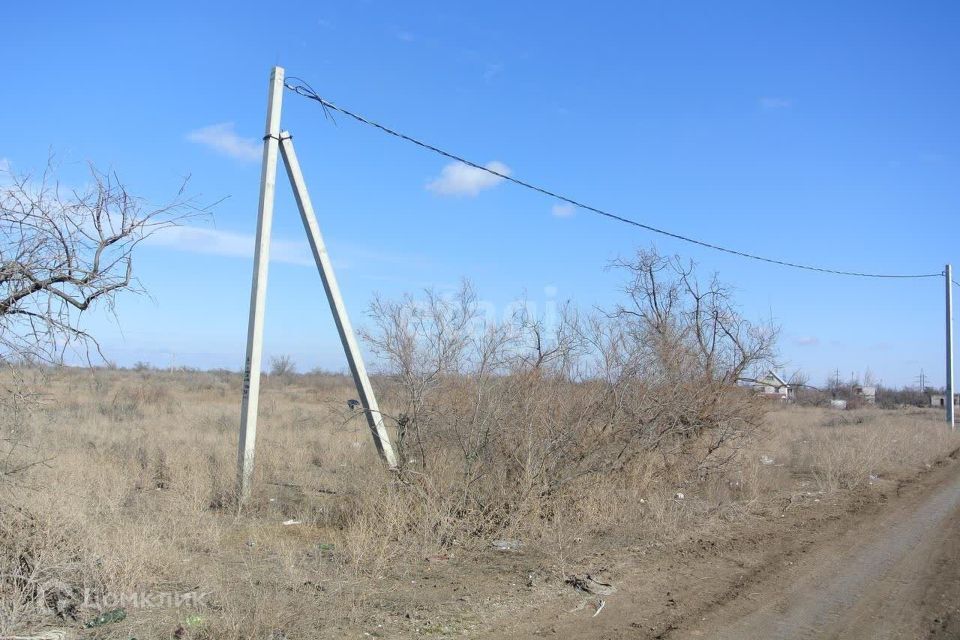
<point x="495" y="419"/>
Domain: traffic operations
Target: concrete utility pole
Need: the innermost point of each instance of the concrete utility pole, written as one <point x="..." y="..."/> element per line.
<point x="275" y="143"/>
<point x="258" y="290"/>
<point x="948" y="276"/>
<point x="367" y="400"/>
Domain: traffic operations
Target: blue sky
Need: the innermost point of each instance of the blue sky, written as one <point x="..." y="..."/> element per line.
<point x="816" y="132"/>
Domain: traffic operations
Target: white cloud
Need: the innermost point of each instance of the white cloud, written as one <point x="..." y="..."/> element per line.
<point x="771" y="102"/>
<point x="458" y="179"/>
<point x="807" y="341"/>
<point x="4" y="165"/>
<point x="223" y="138"/>
<point x="228" y="243"/>
<point x="563" y="210"/>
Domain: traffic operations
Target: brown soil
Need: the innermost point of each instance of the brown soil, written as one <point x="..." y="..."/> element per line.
<point x="880" y="563"/>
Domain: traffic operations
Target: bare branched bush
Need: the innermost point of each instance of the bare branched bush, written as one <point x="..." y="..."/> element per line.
<point x="494" y="419"/>
<point x="42" y="570"/>
<point x="282" y="366"/>
<point x="692" y="338"/>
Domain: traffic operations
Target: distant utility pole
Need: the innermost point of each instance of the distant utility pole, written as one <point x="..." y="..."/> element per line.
<point x="948" y="277"/>
<point x="276" y="145"/>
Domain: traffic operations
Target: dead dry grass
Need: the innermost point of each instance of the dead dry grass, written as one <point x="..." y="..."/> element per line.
<point x="137" y="499"/>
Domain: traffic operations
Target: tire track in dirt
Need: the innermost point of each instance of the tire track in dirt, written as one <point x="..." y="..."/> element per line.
<point x="895" y="577"/>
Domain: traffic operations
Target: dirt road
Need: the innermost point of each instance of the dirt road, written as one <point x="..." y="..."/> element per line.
<point x="887" y="566"/>
<point x="895" y="577"/>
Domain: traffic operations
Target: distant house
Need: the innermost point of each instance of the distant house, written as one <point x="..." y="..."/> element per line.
<point x="940" y="399"/>
<point x="865" y="393"/>
<point x="772" y="386"/>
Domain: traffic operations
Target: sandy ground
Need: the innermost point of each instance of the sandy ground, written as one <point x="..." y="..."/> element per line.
<point x="883" y="564"/>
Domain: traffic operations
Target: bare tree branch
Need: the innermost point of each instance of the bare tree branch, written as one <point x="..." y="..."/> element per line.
<point x="62" y="252"/>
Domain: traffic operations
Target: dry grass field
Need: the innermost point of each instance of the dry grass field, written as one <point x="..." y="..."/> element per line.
<point x="133" y="508"/>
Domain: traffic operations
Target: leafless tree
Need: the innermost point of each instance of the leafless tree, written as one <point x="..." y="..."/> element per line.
<point x="667" y="300"/>
<point x="799" y="378"/>
<point x="64" y="251"/>
<point x="282" y="366"/>
<point x="420" y="342"/>
<point x="688" y="345"/>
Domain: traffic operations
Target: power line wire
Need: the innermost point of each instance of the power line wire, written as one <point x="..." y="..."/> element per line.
<point x="302" y="88"/>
